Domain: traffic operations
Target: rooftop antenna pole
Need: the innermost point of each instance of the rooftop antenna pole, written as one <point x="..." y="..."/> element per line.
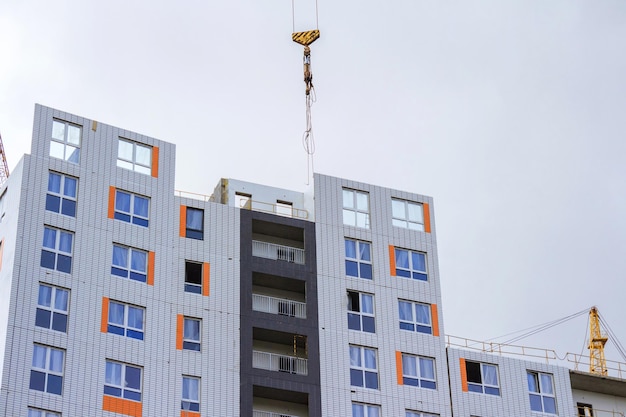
<point x="305" y="39"/>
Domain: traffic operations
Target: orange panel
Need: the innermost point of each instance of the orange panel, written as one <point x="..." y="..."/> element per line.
<point x="151" y="268"/>
<point x="104" y="320"/>
<point x="155" y="161"/>
<point x="463" y="375"/>
<point x="189" y="414"/>
<point x="111" y="201"/>
<point x="426" y="217"/>
<point x="399" y="367"/>
<point x="180" y="323"/>
<point x="122" y="406"/>
<point x="1" y="252"/>
<point x="435" y="319"/>
<point x="206" y="279"/>
<point x="392" y="261"/>
<point x="183" y="221"/>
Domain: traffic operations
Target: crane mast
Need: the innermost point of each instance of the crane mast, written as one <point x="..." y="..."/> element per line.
<point x="4" y="167"/>
<point x="597" y="362"/>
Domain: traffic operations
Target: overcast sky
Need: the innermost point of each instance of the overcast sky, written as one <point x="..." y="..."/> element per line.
<point x="511" y="114"/>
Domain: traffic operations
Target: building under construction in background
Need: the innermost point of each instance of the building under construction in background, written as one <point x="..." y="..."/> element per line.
<point x="124" y="297"/>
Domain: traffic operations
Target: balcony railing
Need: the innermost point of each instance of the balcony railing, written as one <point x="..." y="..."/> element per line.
<point x="278" y="306"/>
<point x="279" y="363"/>
<point x="256" y="413"/>
<point x="277" y="252"/>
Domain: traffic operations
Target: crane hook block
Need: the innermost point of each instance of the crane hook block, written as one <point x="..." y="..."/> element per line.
<point x="305" y="38"/>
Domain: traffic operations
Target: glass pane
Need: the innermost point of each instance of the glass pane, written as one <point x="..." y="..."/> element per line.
<point x="133" y="377"/>
<point x="416" y="213"/>
<point x="356" y="377"/>
<point x="59" y="322"/>
<point x="58" y="130"/>
<point x="65" y="242"/>
<point x="371" y="380"/>
<point x="124" y="164"/>
<point x="37" y="380"/>
<point x="409" y="365"/>
<point x="535" y="402"/>
<point x="422" y="312"/>
<point x="361" y="201"/>
<point x="135" y="318"/>
<point x="113" y="374"/>
<point x="402" y="259"/>
<point x="42" y="318"/>
<point x="549" y="405"/>
<point x="370" y="358"/>
<point x="349" y="217"/>
<point x="533" y="383"/>
<point x="546" y="384"/>
<point x="354" y="321"/>
<point x="373" y="412"/>
<point x="60" y="299"/>
<point x="357" y="410"/>
<point x="355" y="356"/>
<point x="120" y="256"/>
<point x="70" y="187"/>
<point x="72" y="154"/>
<point x="54" y="183"/>
<point x="419" y="261"/>
<point x="366" y="271"/>
<point x="141" y="206"/>
<point x="143" y="155"/>
<point x="125" y="151"/>
<point x="399" y="223"/>
<point x="195" y="219"/>
<point x="49" y="238"/>
<point x="190" y="389"/>
<point x="367" y="303"/>
<point x="363" y="220"/>
<point x="57" y="150"/>
<point x="39" y="357"/>
<point x="138" y="261"/>
<point x="191" y="330"/>
<point x="56" y="360"/>
<point x="397" y="209"/>
<point x="116" y="313"/>
<point x="427" y="368"/>
<point x="348" y="198"/>
<point x="368" y="324"/>
<point x="143" y="170"/>
<point x="406" y="310"/>
<point x="45" y="296"/>
<point x="350" y="249"/>
<point x="364" y="251"/>
<point x="122" y="202"/>
<point x="73" y="135"/>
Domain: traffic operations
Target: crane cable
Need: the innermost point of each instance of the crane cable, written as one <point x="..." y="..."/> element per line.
<point x="308" y="140"/>
<point x="613" y="337"/>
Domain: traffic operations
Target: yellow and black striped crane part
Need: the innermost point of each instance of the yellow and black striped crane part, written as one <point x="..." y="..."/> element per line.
<point x="306" y="38"/>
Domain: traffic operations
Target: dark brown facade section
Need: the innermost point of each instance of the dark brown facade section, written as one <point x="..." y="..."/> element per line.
<point x="282" y="264"/>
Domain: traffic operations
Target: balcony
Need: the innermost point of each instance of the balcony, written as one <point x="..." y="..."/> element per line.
<point x="256" y="413"/>
<point x="279" y="363"/>
<point x="270" y="402"/>
<point x="277" y="252"/>
<point x="280" y="306"/>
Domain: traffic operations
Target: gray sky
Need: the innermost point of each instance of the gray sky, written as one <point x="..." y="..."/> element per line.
<point x="509" y="113"/>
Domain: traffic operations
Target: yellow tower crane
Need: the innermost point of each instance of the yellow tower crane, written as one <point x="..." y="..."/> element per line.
<point x="597" y="340"/>
<point x="4" y="167"/>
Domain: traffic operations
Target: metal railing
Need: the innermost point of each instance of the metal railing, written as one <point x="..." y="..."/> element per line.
<point x="280" y="210"/>
<point x="277" y="252"/>
<point x="581" y="363"/>
<point x="595" y="412"/>
<point x="279" y="363"/>
<point x="280" y="306"/>
<point x="257" y="413"/>
<point x="501" y="349"/>
<point x="195" y="196"/>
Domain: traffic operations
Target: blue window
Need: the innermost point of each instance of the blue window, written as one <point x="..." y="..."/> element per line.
<point x="363" y="370"/>
<point x="415" y="317"/>
<point x="52" y="308"/>
<point x="57" y="249"/>
<point x="130" y="263"/>
<point x="541" y="392"/>
<point x="411" y="264"/>
<point x="191" y="394"/>
<point x="61" y="197"/>
<point x="122" y="380"/>
<point x="361" y="312"/>
<point x="191" y="334"/>
<point x="482" y="378"/>
<point x="131" y="208"/>
<point x="418" y="371"/>
<point x="195" y="223"/>
<point x="32" y="412"/>
<point x="358" y="259"/>
<point x="46" y="374"/>
<point x="125" y="320"/>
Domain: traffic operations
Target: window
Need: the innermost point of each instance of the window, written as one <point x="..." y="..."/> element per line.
<point x="243" y="201"/>
<point x="191" y="394"/>
<point x="415" y="317"/>
<point x="358" y="259"/>
<point x="41" y="413"/>
<point x="130" y="263"/>
<point x="418" y="414"/>
<point x="65" y="142"/>
<point x="122" y="380"/>
<point x="363" y="371"/>
<point x="52" y="308"/>
<point x="134" y="156"/>
<point x="411" y="264"/>
<point x="191" y="334"/>
<point x="125" y="320"/>
<point x="418" y="371"/>
<point x="482" y="377"/>
<point x="541" y="392"/>
<point x="361" y="312"/>
<point x="57" y="249"/>
<point x="61" y="197"/>
<point x="356" y="208"/>
<point x="131" y="208"/>
<point x="284" y="208"/>
<point x="195" y="223"/>
<point x="365" y="410"/>
<point x="584" y="410"/>
<point x="46" y="374"/>
<point x="407" y="214"/>
<point x="193" y="277"/>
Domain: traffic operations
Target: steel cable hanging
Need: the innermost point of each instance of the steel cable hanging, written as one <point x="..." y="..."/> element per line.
<point x="613" y="337"/>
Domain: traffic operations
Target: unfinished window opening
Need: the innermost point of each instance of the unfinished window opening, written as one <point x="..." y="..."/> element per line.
<point x="193" y="277"/>
<point x="243" y="200"/>
<point x="284" y="208"/>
